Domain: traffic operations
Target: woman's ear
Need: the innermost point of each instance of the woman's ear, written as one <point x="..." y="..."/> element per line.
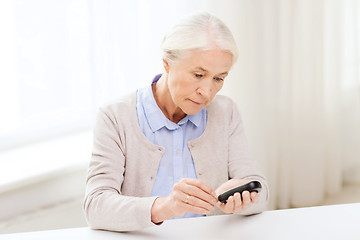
<point x="166" y="66"/>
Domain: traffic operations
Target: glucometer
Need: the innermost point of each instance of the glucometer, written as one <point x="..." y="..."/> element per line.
<point x="253" y="186"/>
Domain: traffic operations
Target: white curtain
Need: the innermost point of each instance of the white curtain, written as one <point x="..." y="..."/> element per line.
<point x="320" y="100"/>
<point x="298" y="86"/>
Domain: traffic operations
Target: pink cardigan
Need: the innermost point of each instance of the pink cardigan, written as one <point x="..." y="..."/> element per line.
<point x="124" y="163"/>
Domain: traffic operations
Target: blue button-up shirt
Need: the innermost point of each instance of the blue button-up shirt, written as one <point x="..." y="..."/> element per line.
<point x="177" y="162"/>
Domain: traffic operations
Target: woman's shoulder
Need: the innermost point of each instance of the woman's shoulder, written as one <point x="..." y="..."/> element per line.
<point x="124" y="103"/>
<point x="222" y="98"/>
<point x="223" y="109"/>
<point x="221" y="102"/>
<point x="121" y="110"/>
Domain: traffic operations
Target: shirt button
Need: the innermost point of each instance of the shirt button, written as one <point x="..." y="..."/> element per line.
<point x="177" y="151"/>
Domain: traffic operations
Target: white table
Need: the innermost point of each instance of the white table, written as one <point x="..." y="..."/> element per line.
<point x="326" y="222"/>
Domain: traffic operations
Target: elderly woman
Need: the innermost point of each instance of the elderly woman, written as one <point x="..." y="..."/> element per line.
<point x="171" y="148"/>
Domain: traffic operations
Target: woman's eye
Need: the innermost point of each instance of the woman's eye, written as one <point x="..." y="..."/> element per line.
<point x="198" y="75"/>
<point x="219" y="79"/>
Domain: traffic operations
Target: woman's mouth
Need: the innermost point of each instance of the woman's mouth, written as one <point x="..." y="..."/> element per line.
<point x="197" y="103"/>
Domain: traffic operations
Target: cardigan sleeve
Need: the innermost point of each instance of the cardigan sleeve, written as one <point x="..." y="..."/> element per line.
<point x="241" y="164"/>
<point x="104" y="205"/>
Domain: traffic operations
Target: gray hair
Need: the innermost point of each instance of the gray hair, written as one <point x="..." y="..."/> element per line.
<point x="200" y="31"/>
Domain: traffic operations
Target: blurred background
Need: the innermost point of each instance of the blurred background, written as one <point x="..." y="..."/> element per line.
<point x="297" y="84"/>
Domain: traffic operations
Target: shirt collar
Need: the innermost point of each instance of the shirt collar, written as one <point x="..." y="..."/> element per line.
<point x="156" y="117"/>
<point x="196" y="118"/>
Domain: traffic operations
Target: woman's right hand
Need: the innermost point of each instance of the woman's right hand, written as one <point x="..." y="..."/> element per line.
<point x="188" y="195"/>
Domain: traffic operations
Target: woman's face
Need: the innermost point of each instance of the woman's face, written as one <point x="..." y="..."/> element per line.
<point x="194" y="81"/>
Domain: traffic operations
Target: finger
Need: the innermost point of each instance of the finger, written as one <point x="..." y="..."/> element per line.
<point x="201" y="185"/>
<point x="229" y="206"/>
<point x="254" y="197"/>
<point x="193" y="189"/>
<point x="192" y="204"/>
<point x="196" y="209"/>
<point x="196" y="202"/>
<point x="246" y="200"/>
<point x="200" y="194"/>
<point x="237" y="202"/>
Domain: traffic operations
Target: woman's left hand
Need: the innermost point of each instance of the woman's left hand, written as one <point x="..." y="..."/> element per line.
<point x="234" y="203"/>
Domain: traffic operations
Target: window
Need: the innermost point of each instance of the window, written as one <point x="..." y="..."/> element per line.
<point x="61" y="59"/>
<point x="46" y="85"/>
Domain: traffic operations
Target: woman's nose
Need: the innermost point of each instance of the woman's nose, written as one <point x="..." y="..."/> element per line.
<point x="205" y="90"/>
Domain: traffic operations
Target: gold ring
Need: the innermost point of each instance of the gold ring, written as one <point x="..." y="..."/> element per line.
<point x="187" y="199"/>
